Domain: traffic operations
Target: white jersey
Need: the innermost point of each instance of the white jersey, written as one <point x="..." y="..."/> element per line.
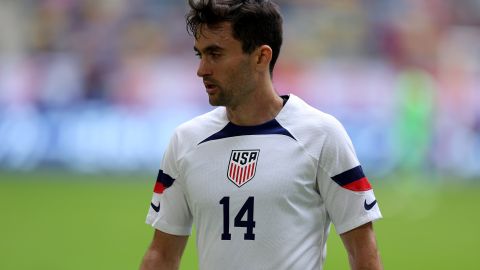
<point x="262" y="197"/>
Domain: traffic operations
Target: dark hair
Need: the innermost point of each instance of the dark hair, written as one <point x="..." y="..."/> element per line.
<point x="254" y="22"/>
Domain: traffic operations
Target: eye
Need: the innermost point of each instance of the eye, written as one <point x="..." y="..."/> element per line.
<point x="198" y="55"/>
<point x="215" y="55"/>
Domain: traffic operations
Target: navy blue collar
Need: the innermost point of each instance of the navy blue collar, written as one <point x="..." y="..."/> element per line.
<point x="232" y="130"/>
<point x="267" y="128"/>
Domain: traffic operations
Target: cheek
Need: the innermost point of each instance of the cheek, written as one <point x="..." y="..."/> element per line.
<point x="236" y="74"/>
<point x="245" y="75"/>
<point x="230" y="75"/>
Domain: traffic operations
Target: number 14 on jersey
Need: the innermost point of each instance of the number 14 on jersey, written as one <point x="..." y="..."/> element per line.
<point x="249" y="223"/>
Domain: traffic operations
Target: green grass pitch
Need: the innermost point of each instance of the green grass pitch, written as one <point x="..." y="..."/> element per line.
<point x="64" y="221"/>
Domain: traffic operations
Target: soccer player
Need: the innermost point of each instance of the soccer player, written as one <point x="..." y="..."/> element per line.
<point x="262" y="176"/>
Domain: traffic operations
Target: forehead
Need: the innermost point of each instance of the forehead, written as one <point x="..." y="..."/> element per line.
<point x="220" y="34"/>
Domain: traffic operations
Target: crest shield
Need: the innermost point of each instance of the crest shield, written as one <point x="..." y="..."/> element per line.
<point x="242" y="166"/>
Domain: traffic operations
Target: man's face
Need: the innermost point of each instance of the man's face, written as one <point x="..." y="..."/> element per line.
<point x="227" y="72"/>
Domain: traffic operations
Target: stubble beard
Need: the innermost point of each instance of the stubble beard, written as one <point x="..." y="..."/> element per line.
<point x="219" y="98"/>
<point x="230" y="98"/>
<point x="235" y="90"/>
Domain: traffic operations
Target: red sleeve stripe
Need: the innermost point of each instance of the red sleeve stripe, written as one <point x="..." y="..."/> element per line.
<point x="164" y="181"/>
<point x="159" y="188"/>
<point x="359" y="185"/>
<point x="353" y="179"/>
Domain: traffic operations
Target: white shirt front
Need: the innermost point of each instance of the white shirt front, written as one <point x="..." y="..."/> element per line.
<point x="262" y="197"/>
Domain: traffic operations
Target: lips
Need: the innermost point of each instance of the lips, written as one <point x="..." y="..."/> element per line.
<point x="210" y="87"/>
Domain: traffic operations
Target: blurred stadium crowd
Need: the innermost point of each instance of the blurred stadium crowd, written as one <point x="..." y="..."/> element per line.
<point x="100" y="85"/>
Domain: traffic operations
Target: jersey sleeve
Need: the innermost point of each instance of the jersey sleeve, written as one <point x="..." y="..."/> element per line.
<point x="347" y="193"/>
<point x="169" y="211"/>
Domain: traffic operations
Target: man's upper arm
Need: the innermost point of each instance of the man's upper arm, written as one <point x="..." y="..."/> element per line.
<point x="343" y="186"/>
<point x="169" y="210"/>
<point x="361" y="246"/>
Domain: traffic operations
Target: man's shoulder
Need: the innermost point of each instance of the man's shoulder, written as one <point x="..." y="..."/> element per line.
<point x="311" y="127"/>
<point x="200" y="127"/>
<point x="302" y="115"/>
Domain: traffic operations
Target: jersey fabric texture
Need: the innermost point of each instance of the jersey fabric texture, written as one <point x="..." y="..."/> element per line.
<point x="262" y="197"/>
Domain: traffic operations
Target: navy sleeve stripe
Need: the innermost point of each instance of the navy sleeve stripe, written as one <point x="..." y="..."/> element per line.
<point x="165" y="179"/>
<point x="349" y="176"/>
<point x="232" y="130"/>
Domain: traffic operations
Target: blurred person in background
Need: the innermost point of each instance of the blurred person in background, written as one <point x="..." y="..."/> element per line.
<point x="284" y="169"/>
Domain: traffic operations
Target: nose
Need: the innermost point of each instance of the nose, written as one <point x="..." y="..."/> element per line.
<point x="203" y="69"/>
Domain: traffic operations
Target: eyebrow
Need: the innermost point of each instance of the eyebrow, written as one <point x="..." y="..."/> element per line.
<point x="211" y="48"/>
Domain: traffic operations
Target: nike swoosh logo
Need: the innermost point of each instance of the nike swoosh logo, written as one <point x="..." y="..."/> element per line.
<point x="155" y="207"/>
<point x="369" y="206"/>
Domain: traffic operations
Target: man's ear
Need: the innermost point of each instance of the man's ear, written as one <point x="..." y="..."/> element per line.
<point x="263" y="57"/>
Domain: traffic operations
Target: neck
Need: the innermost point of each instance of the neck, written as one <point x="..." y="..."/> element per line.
<point x="260" y="106"/>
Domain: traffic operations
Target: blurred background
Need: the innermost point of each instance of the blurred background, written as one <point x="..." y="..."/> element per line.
<point x="90" y="92"/>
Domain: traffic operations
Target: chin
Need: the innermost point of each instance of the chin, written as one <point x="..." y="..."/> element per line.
<point x="213" y="101"/>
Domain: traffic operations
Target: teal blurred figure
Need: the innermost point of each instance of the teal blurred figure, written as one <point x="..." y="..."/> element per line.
<point x="414" y="125"/>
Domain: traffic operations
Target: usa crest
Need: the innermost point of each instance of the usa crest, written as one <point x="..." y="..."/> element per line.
<point x="242" y="166"/>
